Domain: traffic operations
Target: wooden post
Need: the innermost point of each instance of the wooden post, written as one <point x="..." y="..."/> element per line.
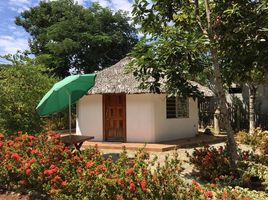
<point x="217" y="121"/>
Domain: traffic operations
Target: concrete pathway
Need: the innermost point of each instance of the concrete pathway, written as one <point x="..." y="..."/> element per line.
<point x="200" y="139"/>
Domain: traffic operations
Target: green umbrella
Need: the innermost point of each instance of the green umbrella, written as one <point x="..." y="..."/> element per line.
<point x="64" y="93"/>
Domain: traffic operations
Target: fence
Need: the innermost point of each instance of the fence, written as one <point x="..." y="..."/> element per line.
<point x="239" y="116"/>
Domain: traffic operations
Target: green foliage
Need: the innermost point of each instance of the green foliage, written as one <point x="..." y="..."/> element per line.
<point x="22" y="83"/>
<point x="42" y="163"/>
<point x="172" y="50"/>
<point x="243" y="40"/>
<point x="178" y="42"/>
<point x="213" y="165"/>
<point x="78" y="38"/>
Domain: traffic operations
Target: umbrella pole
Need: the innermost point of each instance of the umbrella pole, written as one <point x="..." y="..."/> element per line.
<point x="70" y="115"/>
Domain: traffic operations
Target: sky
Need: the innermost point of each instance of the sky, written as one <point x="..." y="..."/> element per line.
<point x="14" y="38"/>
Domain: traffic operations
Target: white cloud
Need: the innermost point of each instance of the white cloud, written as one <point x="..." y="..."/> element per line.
<point x="121" y="5"/>
<point x="19" y="5"/>
<point x="11" y="45"/>
<point x="103" y="3"/>
<point x="116" y="4"/>
<point x="80" y="2"/>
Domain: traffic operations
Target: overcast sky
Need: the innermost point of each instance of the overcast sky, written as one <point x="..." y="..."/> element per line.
<point x="13" y="38"/>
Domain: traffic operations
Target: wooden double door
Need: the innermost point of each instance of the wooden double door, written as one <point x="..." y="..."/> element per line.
<point x="114" y="117"/>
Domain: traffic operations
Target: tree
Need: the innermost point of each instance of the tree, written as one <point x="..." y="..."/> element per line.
<point x="77" y="38"/>
<point x="244" y="44"/>
<point x="182" y="40"/>
<point x="22" y="83"/>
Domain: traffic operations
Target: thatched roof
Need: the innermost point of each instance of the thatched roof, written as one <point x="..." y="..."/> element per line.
<point x="114" y="79"/>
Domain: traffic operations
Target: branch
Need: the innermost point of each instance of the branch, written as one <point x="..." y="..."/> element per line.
<point x="208" y="14"/>
<point x="198" y="19"/>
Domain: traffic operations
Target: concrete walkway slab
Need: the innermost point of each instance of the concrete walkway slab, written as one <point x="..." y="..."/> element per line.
<point x="159" y="147"/>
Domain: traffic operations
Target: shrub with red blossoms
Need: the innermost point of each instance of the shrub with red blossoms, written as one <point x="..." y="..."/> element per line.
<point x="44" y="164"/>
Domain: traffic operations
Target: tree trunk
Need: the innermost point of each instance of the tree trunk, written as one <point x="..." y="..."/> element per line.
<point x="223" y="107"/>
<point x="220" y="92"/>
<point x="252" y="111"/>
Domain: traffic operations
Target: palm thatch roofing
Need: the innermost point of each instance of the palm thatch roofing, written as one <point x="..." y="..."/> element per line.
<point x="114" y="79"/>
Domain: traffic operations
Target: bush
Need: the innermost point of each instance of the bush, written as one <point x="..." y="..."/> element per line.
<point x="44" y="164"/>
<point x="22" y="83"/>
<point x="258" y="140"/>
<point x="213" y="165"/>
<point x="210" y="162"/>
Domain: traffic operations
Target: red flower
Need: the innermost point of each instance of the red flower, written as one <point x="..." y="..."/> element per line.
<point x="63" y="183"/>
<point x="34" y="151"/>
<point x="132" y="187"/>
<point x="19" y="133"/>
<point x="119" y="197"/>
<point x="28" y="171"/>
<point x="10" y="142"/>
<point x="55" y="179"/>
<point x="224" y="195"/>
<point x="209" y="194"/>
<point x="23" y="182"/>
<point x="89" y="164"/>
<point x="53" y="190"/>
<point x="1" y="143"/>
<point x="16" y="156"/>
<point x="52" y="166"/>
<point x="31" y="137"/>
<point x="245" y="198"/>
<point x="130" y="171"/>
<point x="48" y="172"/>
<point x="32" y="161"/>
<point x="143" y="185"/>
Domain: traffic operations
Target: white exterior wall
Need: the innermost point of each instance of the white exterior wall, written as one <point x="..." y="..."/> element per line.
<point x="176" y="128"/>
<point x="145" y="119"/>
<point x="140" y="118"/>
<point x="89" y="117"/>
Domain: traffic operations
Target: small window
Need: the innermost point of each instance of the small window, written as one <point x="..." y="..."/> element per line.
<point x="177" y="107"/>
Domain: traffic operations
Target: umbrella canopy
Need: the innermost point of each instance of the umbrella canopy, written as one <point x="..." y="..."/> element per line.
<point x="64" y="93"/>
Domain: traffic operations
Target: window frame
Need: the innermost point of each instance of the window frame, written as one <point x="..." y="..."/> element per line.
<point x="178" y="109"/>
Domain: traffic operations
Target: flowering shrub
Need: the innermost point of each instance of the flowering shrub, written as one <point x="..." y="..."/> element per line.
<point x="213" y="165"/>
<point x="44" y="164"/>
<point x="210" y="162"/>
<point x="258" y="140"/>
